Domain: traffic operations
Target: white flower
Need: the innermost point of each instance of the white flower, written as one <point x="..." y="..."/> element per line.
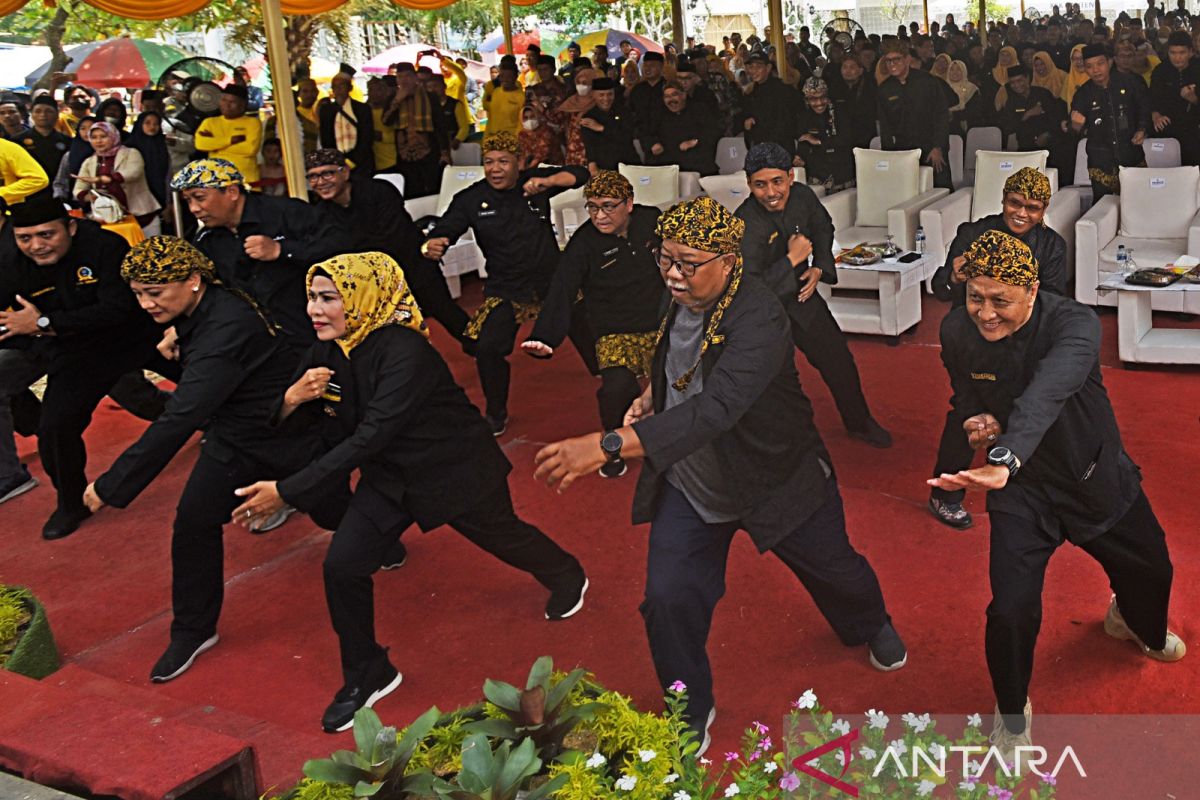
<point x="925" y="788"/>
<point x="974" y="769"/>
<point x="867" y="753"/>
<point x="936" y="750"/>
<point x="840" y="755"/>
<point x="732" y="789"/>
<point x="898" y="747"/>
<point x="681" y="795"/>
<point x="974" y="721"/>
<point x="770" y="767"/>
<point x="626" y="783"/>
<point x="674" y="776"/>
<point x="807" y="700"/>
<point x="705" y="761"/>
<point x="596" y="760"/>
<point x="918" y="724"/>
<point x="967" y="786"/>
<point x="841" y="726"/>
<point x="877" y="719"/>
<point x="646" y="755"/>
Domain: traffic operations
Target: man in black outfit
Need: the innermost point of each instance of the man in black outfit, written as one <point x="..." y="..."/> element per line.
<point x="609" y="259"/>
<point x="1113" y="111"/>
<point x="825" y="147"/>
<point x="645" y="99"/>
<point x="347" y="125"/>
<point x="370" y="214"/>
<point x="786" y="228"/>
<point x="685" y="135"/>
<point x="1030" y="112"/>
<point x="74" y="320"/>
<point x="1174" y="104"/>
<point x="607" y="131"/>
<point x="509" y="211"/>
<point x="769" y="110"/>
<point x="913" y="114"/>
<point x="728" y="441"/>
<point x="1026" y="197"/>
<point x="44" y="142"/>
<point x="1025" y="372"/>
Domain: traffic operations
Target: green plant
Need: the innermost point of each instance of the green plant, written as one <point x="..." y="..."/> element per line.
<point x="13" y="615"/>
<point x="440" y="751"/>
<point x="539" y="711"/>
<point x="498" y="774"/>
<point x="378" y="767"/>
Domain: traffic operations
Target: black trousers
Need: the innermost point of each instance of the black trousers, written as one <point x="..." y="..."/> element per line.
<point x="372" y="525"/>
<point x="954" y="454"/>
<point x="618" y="389"/>
<point x="197" y="540"/>
<point x="817" y="335"/>
<point x="685" y="577"/>
<point x="421" y="178"/>
<point x="1135" y="558"/>
<point x="433" y="296"/>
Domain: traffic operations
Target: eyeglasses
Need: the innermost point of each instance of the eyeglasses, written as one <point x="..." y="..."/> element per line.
<point x="606" y="209"/>
<point x="323" y="177"/>
<point x="685" y="268"/>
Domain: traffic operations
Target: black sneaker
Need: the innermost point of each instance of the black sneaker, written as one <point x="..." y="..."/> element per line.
<point x="952" y="514"/>
<point x="886" y="650"/>
<point x="873" y="434"/>
<point x="178" y="658"/>
<point x="272" y="522"/>
<point x="614" y="469"/>
<point x="64" y="523"/>
<point x="703" y="737"/>
<point x="498" y="424"/>
<point x="17" y="485"/>
<point x="339" y="716"/>
<point x="396" y="556"/>
<point x="566" y="602"/>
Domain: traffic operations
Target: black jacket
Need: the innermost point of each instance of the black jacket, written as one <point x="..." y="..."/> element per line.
<point x="1165" y="85"/>
<point x="1043" y="384"/>
<point x="234" y="372"/>
<point x="48" y="151"/>
<point x="753" y="413"/>
<point x="855" y="107"/>
<point x="832" y="159"/>
<point x="774" y="106"/>
<point x="363" y="153"/>
<point x="1113" y="117"/>
<point x="764" y="244"/>
<point x="1041" y="130"/>
<point x="645" y="104"/>
<point x="614" y="145"/>
<point x="914" y="114"/>
<point x="1049" y="249"/>
<point x="693" y="122"/>
<point x="405" y="424"/>
<point x="377" y="221"/>
<point x="306" y="238"/>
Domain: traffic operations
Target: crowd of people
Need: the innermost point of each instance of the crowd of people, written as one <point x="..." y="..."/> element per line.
<point x="297" y="334"/>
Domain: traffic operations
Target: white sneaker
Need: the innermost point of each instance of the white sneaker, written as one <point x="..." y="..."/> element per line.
<point x="998" y="722"/>
<point x="1115" y="626"/>
<point x="1006" y="744"/>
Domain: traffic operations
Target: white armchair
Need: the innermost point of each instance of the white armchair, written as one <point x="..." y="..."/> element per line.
<point x="464" y="255"/>
<point x="731" y="154"/>
<point x="892" y="189"/>
<point x="1157" y="216"/>
<point x="653" y="186"/>
<point x="1162" y="152"/>
<point x="984" y="138"/>
<point x="728" y="190"/>
<point x="568" y="212"/>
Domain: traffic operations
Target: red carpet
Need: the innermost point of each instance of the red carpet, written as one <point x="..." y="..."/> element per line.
<point x="453" y="616"/>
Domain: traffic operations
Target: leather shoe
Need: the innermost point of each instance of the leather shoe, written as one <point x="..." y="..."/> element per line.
<point x="64" y="523"/>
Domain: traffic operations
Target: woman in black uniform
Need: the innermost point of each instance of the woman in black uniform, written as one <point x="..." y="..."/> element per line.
<point x="234" y="369"/>
<point x="426" y="455"/>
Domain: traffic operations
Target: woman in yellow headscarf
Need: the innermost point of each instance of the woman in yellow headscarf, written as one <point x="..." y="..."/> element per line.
<point x="1007" y="58"/>
<point x="941" y="67"/>
<point x="1047" y="75"/>
<point x="424" y="453"/>
<point x="1076" y="77"/>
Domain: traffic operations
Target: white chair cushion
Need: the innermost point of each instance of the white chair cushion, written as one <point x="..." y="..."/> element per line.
<point x="992" y="169"/>
<point x="859" y="234"/>
<point x="728" y="190"/>
<point x="1158" y="203"/>
<point x="886" y="178"/>
<point x="454" y="180"/>
<point x="1162" y="152"/>
<point x="652" y="186"/>
<point x="1147" y="253"/>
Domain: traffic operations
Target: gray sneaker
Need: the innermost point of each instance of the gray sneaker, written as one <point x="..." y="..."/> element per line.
<point x="17" y="485"/>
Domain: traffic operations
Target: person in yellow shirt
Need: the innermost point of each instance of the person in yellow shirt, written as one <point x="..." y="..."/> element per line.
<point x="233" y="136"/>
<point x="456" y="84"/>
<point x="503" y="102"/>
<point x="379" y="98"/>
<point x="20" y="174"/>
<point x="529" y="75"/>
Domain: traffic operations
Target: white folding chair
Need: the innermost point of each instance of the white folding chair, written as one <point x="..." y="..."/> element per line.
<point x="728" y="190"/>
<point x="468" y="154"/>
<point x="653" y="186"/>
<point x="986" y="138"/>
<point x="731" y="154"/>
<point x="1162" y="153"/>
<point x="394" y="178"/>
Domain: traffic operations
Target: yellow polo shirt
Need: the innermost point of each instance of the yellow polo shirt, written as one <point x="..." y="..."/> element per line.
<point x="215" y="137"/>
<point x="384" y="146"/>
<point x="20" y="174"/>
<point x="503" y="108"/>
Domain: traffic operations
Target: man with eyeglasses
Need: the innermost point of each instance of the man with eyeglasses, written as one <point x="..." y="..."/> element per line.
<point x="728" y="443"/>
<point x="610" y="260"/>
<point x="372" y="217"/>
<point x="913" y="113"/>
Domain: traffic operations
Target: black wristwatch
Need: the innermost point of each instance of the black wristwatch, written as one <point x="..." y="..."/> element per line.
<point x="1003" y="457"/>
<point x="611" y="443"/>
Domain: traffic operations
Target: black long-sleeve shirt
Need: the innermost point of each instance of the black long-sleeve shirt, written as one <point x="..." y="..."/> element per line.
<point x="1043" y="385"/>
<point x="914" y="114"/>
<point x="855" y="107"/>
<point x="832" y="159"/>
<point x="645" y="103"/>
<point x="377" y="221"/>
<point x="773" y="105"/>
<point x="305" y="238"/>
<point x="614" y="145"/>
<point x="674" y="128"/>
<point x="622" y="286"/>
<point x="1165" y="84"/>
<point x="1049" y="250"/>
<point x="1040" y="130"/>
<point x="1114" y="115"/>
<point x="513" y="231"/>
<point x="765" y="242"/>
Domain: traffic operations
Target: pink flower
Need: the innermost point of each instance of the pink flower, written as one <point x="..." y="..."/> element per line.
<point x="1049" y="779"/>
<point x="790" y="782"/>
<point x="731" y="756"/>
<point x="759" y="727"/>
<point x="765" y="744"/>
<point x="678" y="686"/>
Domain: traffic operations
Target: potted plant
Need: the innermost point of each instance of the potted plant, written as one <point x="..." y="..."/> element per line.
<point x="26" y="643"/>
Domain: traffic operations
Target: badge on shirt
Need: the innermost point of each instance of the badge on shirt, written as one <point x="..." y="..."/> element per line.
<point x="773" y="237"/>
<point x="484" y="211"/>
<point x="611" y="252"/>
<point x="982" y="376"/>
<point x="84" y="276"/>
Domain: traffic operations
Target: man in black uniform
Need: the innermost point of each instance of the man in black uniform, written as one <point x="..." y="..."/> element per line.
<point x="1030" y="112"/>
<point x="854" y="102"/>
<point x="786" y="226"/>
<point x="609" y="258"/>
<point x="825" y="147"/>
<point x="684" y="135"/>
<point x="913" y="113"/>
<point x="1025" y="371"/>
<point x="261" y="245"/>
<point x="699" y="96"/>
<point x="74" y="320"/>
<point x="44" y="142"/>
<point x="371" y="216"/>
<point x="1026" y="196"/>
<point x="509" y="211"/>
<point x="1174" y="104"/>
<point x="769" y="109"/>
<point x="645" y="99"/>
<point x="1113" y="111"/>
<point x="607" y="131"/>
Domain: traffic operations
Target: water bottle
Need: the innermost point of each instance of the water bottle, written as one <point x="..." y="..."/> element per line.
<point x="920" y="240"/>
<point x="1122" y="259"/>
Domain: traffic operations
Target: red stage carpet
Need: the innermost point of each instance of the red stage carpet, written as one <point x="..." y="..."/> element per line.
<point x="453" y="616"/>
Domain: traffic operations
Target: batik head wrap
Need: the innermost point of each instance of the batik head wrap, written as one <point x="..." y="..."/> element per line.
<point x="1029" y="182"/>
<point x="325" y="157"/>
<point x="767" y="155"/>
<point x="207" y="173"/>
<point x="609" y="183"/>
<point x="374" y="294"/>
<point x="1002" y="257"/>
<point x="815" y="87"/>
<point x="704" y="224"/>
<point x="503" y="141"/>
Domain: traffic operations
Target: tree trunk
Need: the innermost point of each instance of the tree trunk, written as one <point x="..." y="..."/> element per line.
<point x="54" y="38"/>
<point x="301" y="32"/>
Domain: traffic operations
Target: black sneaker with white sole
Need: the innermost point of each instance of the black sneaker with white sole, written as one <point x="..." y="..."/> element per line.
<point x="381" y="680"/>
<point x="396" y="556"/>
<point x="179" y="658"/>
<point x="567" y="600"/>
<point x="705" y="737"/>
<point x="498" y="425"/>
<point x="886" y="649"/>
<point x="17" y="485"/>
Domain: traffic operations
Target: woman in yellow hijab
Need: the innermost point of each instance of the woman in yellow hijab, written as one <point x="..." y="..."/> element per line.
<point x="1076" y="77"/>
<point x="424" y="454"/>
<point x="941" y="67"/>
<point x="1007" y="58"/>
<point x="1047" y="75"/>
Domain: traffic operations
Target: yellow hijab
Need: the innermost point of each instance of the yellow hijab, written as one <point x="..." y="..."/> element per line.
<point x="1000" y="74"/>
<point x="1075" y="78"/>
<point x="962" y="87"/>
<point x="941" y="67"/>
<point x="374" y="294"/>
<point x="1055" y="78"/>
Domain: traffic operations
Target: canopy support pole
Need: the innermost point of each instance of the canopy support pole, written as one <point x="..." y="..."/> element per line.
<point x="1097" y="18"/>
<point x="286" y="122"/>
<point x="1022" y="9"/>
<point x="677" y="31"/>
<point x="982" y="21"/>
<point x="508" y="43"/>
<point x="925" y="8"/>
<point x="775" y="18"/>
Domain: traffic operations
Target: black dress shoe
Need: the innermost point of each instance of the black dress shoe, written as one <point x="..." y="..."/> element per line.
<point x="952" y="514"/>
<point x="873" y="434"/>
<point x="381" y="681"/>
<point x="64" y="523"/>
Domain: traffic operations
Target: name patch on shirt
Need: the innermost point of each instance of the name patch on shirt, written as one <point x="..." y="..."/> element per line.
<point x="84" y="276"/>
<point x="487" y="212"/>
<point x="611" y="252"/>
<point x="982" y="376"/>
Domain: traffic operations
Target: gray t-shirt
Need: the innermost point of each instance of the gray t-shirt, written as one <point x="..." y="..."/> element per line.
<point x="698" y="476"/>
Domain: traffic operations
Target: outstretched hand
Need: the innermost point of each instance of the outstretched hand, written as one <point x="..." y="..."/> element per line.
<point x="262" y="500"/>
<point x="561" y="463"/>
<point x="986" y="478"/>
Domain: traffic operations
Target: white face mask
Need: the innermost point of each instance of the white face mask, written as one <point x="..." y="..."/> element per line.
<point x="582" y="89"/>
<point x="530" y="124"/>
